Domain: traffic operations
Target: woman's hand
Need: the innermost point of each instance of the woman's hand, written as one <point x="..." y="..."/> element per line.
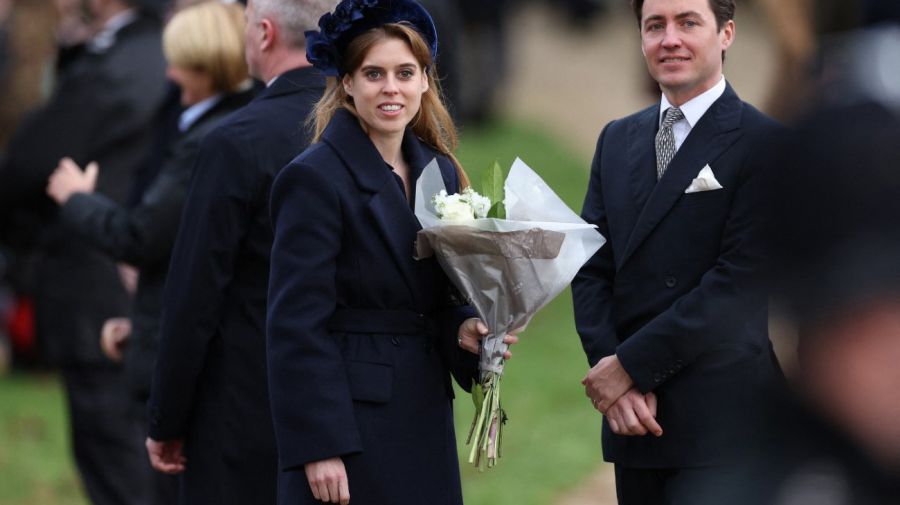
<point x="472" y="330"/>
<point x="68" y="179"/>
<point x="328" y="481"/>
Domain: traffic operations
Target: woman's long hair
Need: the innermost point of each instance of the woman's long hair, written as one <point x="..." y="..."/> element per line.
<point x="432" y="123"/>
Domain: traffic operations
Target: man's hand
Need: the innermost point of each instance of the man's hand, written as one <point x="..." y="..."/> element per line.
<point x="606" y="382"/>
<point x="113" y="336"/>
<point x="166" y="456"/>
<point x="328" y="481"/>
<point x="69" y="179"/>
<point x="634" y="414"/>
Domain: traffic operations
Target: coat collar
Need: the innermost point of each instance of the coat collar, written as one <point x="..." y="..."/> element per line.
<point x="396" y="223"/>
<point x="293" y="81"/>
<point x="715" y="132"/>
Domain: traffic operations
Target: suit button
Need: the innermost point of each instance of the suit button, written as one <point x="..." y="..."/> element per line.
<point x="395" y="340"/>
<point x="657" y="378"/>
<point x="671" y="282"/>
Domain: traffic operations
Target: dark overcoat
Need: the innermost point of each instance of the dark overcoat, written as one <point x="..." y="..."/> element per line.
<point x="361" y="336"/>
<point x="143" y="235"/>
<point x="209" y="384"/>
<point x="101" y="110"/>
<point x="672" y="294"/>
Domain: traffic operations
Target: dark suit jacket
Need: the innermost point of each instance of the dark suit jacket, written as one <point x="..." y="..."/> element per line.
<point x="358" y="364"/>
<point x="209" y="383"/>
<point x="101" y="110"/>
<point x="143" y="236"/>
<point x="672" y="293"/>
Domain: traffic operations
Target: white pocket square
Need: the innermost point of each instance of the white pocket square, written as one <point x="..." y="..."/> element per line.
<point x="705" y="181"/>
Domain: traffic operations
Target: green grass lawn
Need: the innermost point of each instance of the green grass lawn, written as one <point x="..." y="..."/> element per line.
<point x="550" y="444"/>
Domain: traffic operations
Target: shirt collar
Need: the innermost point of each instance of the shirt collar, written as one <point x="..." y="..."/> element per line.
<point x="694" y="108"/>
<point x="106" y="38"/>
<point x="193" y="113"/>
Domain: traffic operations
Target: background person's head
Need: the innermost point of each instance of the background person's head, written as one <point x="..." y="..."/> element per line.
<point x="274" y="35"/>
<point x="684" y="43"/>
<point x="204" y="47"/>
<point x="835" y="243"/>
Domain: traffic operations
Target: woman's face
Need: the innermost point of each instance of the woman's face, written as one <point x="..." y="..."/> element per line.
<point x="195" y="85"/>
<point x="387" y="88"/>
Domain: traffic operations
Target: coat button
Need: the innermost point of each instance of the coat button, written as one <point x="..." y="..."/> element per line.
<point x="671" y="282"/>
<point x="657" y="378"/>
<point x="395" y="340"/>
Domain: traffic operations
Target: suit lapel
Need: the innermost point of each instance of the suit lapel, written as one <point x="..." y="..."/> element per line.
<point x="395" y="222"/>
<point x="641" y="161"/>
<point x="715" y="132"/>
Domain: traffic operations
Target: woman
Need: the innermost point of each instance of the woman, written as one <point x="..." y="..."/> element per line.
<point x="361" y="337"/>
<point x="203" y="45"/>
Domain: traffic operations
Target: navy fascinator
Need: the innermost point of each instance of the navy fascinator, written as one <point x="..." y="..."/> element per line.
<point x="325" y="47"/>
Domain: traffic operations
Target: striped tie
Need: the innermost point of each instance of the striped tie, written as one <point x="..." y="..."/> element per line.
<point x="665" y="140"/>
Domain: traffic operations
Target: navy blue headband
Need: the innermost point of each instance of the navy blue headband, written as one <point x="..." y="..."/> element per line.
<point x="325" y="47"/>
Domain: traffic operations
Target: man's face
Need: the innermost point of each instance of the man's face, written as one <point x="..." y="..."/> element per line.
<point x="252" y="39"/>
<point x="682" y="46"/>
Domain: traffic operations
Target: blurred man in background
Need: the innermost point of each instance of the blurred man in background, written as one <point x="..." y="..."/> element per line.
<point x="100" y="110"/>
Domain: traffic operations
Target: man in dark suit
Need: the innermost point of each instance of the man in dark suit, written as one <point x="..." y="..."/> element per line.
<point x="668" y="314"/>
<point x="209" y="410"/>
<point x="101" y="110"/>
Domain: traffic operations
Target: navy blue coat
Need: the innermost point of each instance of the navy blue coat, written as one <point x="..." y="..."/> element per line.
<point x="209" y="384"/>
<point x="672" y="294"/>
<point x="360" y="335"/>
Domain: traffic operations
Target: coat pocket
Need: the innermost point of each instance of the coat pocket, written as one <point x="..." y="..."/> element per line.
<point x="370" y="382"/>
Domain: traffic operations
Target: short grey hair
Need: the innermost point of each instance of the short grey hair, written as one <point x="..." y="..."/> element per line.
<point x="293" y="17"/>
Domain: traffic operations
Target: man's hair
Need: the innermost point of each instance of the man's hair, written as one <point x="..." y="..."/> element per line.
<point x="723" y="10"/>
<point x="293" y="17"/>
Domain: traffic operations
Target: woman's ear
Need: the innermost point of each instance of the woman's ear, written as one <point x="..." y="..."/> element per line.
<point x="348" y="84"/>
<point x="425" y="84"/>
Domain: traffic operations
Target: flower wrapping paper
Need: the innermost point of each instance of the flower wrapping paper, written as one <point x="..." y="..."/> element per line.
<point x="507" y="268"/>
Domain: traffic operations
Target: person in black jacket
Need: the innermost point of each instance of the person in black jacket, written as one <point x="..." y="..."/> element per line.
<point x="209" y="408"/>
<point x="204" y="48"/>
<point x="101" y="109"/>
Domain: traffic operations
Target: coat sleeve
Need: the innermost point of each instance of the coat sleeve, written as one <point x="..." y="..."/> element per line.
<point x="145" y="234"/>
<point x="310" y="397"/>
<point x="592" y="292"/>
<point x="217" y="214"/>
<point x="728" y="295"/>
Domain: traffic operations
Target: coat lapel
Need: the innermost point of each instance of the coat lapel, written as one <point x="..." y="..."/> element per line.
<point x="715" y="132"/>
<point x="395" y="222"/>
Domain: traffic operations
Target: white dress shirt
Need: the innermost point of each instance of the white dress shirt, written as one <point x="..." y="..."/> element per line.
<point x="693" y="110"/>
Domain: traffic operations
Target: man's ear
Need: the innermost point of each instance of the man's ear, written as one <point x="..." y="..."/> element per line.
<point x="268" y="32"/>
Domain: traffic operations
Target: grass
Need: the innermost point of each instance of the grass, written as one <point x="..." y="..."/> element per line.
<point x="550" y="444"/>
<point x="552" y="441"/>
<point x="35" y="463"/>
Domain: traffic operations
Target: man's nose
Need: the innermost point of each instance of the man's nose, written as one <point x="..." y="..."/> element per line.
<point x="671" y="38"/>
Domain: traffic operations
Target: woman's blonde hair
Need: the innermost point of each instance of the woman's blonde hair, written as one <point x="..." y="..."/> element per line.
<point x="432" y="123"/>
<point x="209" y="38"/>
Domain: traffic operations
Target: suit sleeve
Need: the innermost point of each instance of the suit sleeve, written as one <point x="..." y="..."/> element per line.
<point x="728" y="295"/>
<point x="592" y="288"/>
<point x="311" y="404"/>
<point x="217" y="214"/>
<point x="144" y="234"/>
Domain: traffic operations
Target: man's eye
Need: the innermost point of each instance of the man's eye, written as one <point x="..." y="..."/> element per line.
<point x="690" y="24"/>
<point x="655" y="27"/>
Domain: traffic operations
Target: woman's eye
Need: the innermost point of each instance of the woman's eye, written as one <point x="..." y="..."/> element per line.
<point x="406" y="74"/>
<point x="373" y="74"/>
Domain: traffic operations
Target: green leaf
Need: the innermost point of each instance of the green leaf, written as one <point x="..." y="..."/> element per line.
<point x="492" y="187"/>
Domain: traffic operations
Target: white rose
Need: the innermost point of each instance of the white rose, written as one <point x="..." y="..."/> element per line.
<point x="457" y="210"/>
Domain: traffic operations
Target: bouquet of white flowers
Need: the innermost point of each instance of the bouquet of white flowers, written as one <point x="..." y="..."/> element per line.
<point x="508" y="267"/>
